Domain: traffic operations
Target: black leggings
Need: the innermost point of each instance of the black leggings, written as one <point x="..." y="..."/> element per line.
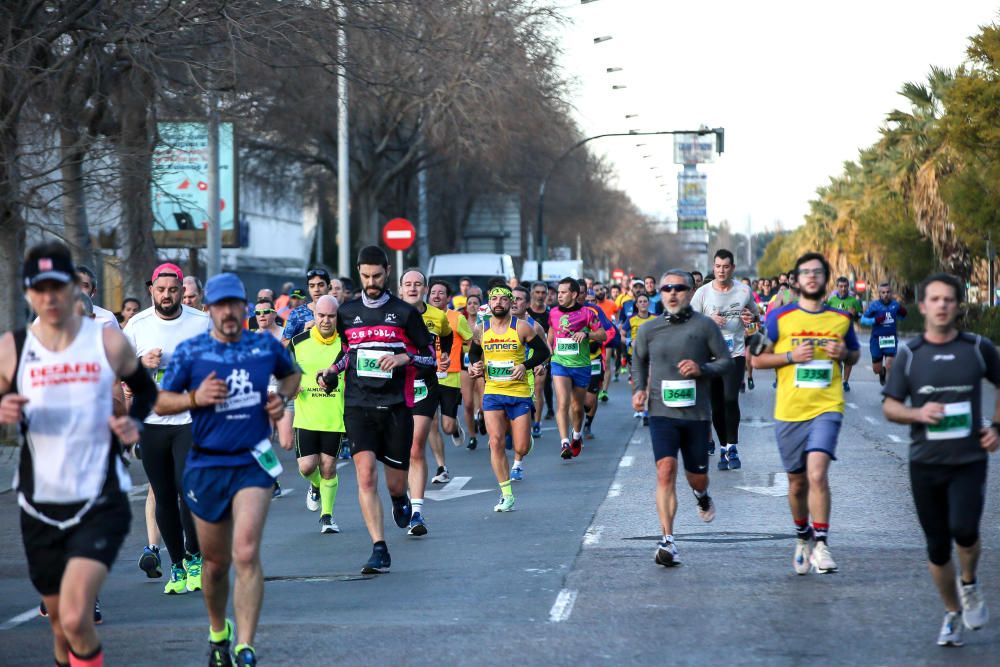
<point x="547" y="391"/>
<point x="726" y="403"/>
<point x="949" y="500"/>
<point x="164" y="453"/>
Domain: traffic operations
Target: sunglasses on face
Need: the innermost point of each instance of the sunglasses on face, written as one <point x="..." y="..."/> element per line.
<point x="674" y="288"/>
<point x="265" y="311"/>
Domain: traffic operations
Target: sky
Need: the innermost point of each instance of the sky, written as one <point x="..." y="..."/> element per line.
<point x="799" y="87"/>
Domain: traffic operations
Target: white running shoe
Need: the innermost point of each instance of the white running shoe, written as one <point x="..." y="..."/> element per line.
<point x="312" y="498"/>
<point x="975" y="613"/>
<point x="458" y="439"/>
<point x="951" y="630"/>
<point x="706" y="508"/>
<point x="666" y="554"/>
<point x="803" y="554"/>
<point x="821" y="559"/>
<point x="442" y="477"/>
<point x="506" y="504"/>
<point x="328" y="525"/>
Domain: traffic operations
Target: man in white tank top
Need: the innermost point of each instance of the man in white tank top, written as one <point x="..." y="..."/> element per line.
<point x="56" y="380"/>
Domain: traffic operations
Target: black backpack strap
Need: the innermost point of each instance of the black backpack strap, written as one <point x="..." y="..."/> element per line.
<point x="20" y="335"/>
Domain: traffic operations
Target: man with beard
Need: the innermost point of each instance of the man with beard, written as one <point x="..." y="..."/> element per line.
<point x="882" y="316"/>
<point x="221" y="377"/>
<point x="386" y="342"/>
<point x="166" y="439"/>
<point x="499" y="353"/>
<point x="805" y="340"/>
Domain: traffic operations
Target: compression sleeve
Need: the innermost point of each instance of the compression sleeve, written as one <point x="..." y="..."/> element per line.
<point x="447" y="341"/>
<point x="540" y="353"/>
<point x="475" y="353"/>
<point x="144" y="393"/>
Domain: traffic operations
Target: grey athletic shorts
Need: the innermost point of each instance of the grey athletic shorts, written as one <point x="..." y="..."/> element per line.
<point x="797" y="439"/>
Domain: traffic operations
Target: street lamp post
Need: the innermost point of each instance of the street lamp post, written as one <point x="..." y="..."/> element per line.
<point x="540" y="241"/>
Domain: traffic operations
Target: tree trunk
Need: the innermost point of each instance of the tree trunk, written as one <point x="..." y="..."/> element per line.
<point x="72" y="152"/>
<point x="12" y="231"/>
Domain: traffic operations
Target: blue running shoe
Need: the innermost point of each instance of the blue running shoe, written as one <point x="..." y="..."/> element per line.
<point x="516" y="475"/>
<point x="245" y="656"/>
<point x="734" y="458"/>
<point x="276" y="492"/>
<point x="402" y="512"/>
<point x="149" y="562"/>
<point x="723" y="459"/>
<point x="847" y="386"/>
<point x="417" y="525"/>
<point x="379" y="562"/>
<point x="536" y="429"/>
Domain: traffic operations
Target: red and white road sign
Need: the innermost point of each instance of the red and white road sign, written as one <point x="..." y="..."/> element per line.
<point x="399" y="234"/>
<point x="860" y="286"/>
<point x="618" y="274"/>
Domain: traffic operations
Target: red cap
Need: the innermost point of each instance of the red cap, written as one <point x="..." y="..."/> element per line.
<point x="168" y="268"/>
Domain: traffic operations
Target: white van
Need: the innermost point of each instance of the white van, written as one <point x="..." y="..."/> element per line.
<point x="553" y="270"/>
<point x="479" y="267"/>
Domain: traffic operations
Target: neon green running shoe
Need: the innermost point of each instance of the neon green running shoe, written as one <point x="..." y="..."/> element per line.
<point x="178" y="581"/>
<point x="192" y="566"/>
<point x="220" y="652"/>
<point x="506" y="504"/>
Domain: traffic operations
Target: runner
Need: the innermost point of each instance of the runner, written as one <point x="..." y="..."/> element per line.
<point x="222" y="377"/>
<point x="130" y="306"/>
<point x="472" y="388"/>
<point x="386" y="342"/>
<point x="267" y="318"/>
<point x="732" y="308"/>
<point x="941" y="372"/>
<point x="319" y="414"/>
<point x="698" y="278"/>
<point x="843" y="300"/>
<point x="539" y="312"/>
<point x="193" y="291"/>
<point x="57" y="379"/>
<point x="88" y="285"/>
<point x="571" y="329"/>
<point x="598" y="368"/>
<point x="611" y="347"/>
<point x="426" y="391"/>
<point x="649" y="283"/>
<point x="641" y="316"/>
<point x="450" y="385"/>
<point x="155" y="334"/>
<point x="519" y="310"/>
<point x="882" y="316"/>
<point x="499" y="353"/>
<point x="804" y="339"/>
<point x="677" y="355"/>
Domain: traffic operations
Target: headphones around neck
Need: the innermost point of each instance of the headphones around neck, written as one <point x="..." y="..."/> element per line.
<point x="683" y="316"/>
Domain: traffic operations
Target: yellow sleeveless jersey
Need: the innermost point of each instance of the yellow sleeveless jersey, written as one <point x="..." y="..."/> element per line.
<point x="501" y="352"/>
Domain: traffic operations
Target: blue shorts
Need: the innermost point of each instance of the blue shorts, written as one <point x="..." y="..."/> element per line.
<point x="514" y="406"/>
<point x="209" y="491"/>
<point x="580" y="376"/>
<point x="877" y="352"/>
<point x="797" y="439"/>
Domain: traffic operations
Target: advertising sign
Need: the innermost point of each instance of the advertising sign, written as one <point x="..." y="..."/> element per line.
<point x="694" y="148"/>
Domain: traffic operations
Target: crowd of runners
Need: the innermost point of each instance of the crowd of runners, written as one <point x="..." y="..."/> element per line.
<point x="201" y="382"/>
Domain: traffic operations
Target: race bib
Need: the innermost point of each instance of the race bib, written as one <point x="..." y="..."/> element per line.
<point x="886" y="342"/>
<point x="678" y="393"/>
<point x="368" y="364"/>
<point x="419" y="390"/>
<point x="158" y="377"/>
<point x="814" y="374"/>
<point x="567" y="346"/>
<point x="500" y="371"/>
<point x="595" y="366"/>
<point x="266" y="457"/>
<point x="956" y="423"/>
<point x="730" y="341"/>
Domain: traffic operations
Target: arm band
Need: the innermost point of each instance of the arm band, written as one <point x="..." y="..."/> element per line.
<point x="541" y="353"/>
<point x="475" y="353"/>
<point x="446" y="342"/>
<point x="143" y="393"/>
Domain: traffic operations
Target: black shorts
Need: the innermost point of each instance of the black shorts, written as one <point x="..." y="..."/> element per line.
<point x="949" y="500"/>
<point x="310" y="443"/>
<point x="596" y="381"/>
<point x="690" y="437"/>
<point x="386" y="431"/>
<point x="98" y="536"/>
<point x="451" y="398"/>
<point x="429" y="405"/>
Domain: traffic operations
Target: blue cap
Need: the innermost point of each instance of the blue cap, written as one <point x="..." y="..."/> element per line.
<point x="224" y="286"/>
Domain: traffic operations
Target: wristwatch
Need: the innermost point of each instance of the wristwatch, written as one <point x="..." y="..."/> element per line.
<point x="788" y="357"/>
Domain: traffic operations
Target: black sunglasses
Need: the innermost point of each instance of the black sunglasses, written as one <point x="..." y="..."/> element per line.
<point x="672" y="287"/>
<point x="318" y="273"/>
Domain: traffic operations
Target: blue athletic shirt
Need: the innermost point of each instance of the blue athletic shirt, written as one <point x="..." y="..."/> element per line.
<point x="237" y="425"/>
<point x="296" y="322"/>
<point x="891" y="313"/>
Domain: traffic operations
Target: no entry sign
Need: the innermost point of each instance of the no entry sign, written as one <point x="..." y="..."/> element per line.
<point x="399" y="234"/>
<point x="860" y="286"/>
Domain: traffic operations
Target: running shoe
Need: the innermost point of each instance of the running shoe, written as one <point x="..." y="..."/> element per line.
<point x="481" y="422"/>
<point x="312" y="498"/>
<point x="417" y="526"/>
<point x="245" y="656"/>
<point x="587" y="433"/>
<point x="506" y="504"/>
<point x="711" y="447"/>
<point x="636" y="415"/>
<point x="192" y="568"/>
<point x="774" y="385"/>
<point x="98" y="616"/>
<point x="402" y="512"/>
<point x="881" y="377"/>
<point x="666" y="554"/>
<point x="723" y="459"/>
<point x="472" y="444"/>
<point x="327" y="525"/>
<point x="219" y="653"/>
<point x="345" y="450"/>
<point x="706" y="508"/>
<point x="42" y="610"/>
<point x="847" y="386"/>
<point x="442" y="476"/>
<point x="821" y="559"/>
<point x="550" y="415"/>
<point x="508" y="442"/>
<point x="803" y="555"/>
<point x="734" y="458"/>
<point x="576" y="446"/>
<point x="951" y="630"/>
<point x="602" y="396"/>
<point x="565" y="451"/>
<point x="614" y="378"/>
<point x="276" y="493"/>
<point x="516" y="475"/>
<point x="536" y="430"/>
<point x="379" y="562"/>
<point x="149" y="562"/>
<point x="458" y="437"/>
<point x="178" y="581"/>
<point x="750" y="384"/>
<point x="975" y="613"/>
<point x="645" y="420"/>
<point x="743" y="387"/>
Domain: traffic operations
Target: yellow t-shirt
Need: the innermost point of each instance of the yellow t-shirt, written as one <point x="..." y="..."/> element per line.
<point x="501" y="352"/>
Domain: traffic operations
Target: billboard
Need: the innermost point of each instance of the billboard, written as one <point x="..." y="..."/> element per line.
<point x="692" y="225"/>
<point x="692" y="188"/>
<point x="180" y="185"/>
<point x="694" y="148"/>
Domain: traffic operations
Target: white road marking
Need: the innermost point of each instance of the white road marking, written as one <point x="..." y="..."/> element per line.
<point x="871" y="420"/>
<point x="853" y="406"/>
<point x="454" y="489"/>
<point x="636" y="441"/>
<point x="563" y="606"/>
<point x="592" y="536"/>
<point x="615" y="490"/>
<point x="626" y="462"/>
<point x="26" y="616"/>
<point x="895" y="438"/>
<point x="777" y="489"/>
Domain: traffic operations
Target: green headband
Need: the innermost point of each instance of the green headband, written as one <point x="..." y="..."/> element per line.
<point x="499" y="290"/>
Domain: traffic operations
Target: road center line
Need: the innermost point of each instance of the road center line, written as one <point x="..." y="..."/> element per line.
<point x="26" y="616"/>
<point x="626" y="462"/>
<point x="563" y="606"/>
<point x="871" y="420"/>
<point x="592" y="536"/>
<point x="853" y="406"/>
<point x="895" y="438"/>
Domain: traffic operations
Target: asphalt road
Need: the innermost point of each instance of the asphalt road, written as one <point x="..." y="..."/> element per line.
<point x="569" y="577"/>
